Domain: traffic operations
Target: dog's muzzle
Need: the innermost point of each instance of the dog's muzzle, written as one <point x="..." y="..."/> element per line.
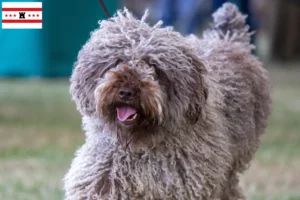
<point x="127" y="113"/>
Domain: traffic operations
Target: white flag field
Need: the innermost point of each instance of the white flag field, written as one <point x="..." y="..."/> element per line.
<point x="22" y="15"/>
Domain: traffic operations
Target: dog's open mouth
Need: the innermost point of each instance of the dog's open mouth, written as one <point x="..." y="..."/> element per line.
<point x="127" y="115"/>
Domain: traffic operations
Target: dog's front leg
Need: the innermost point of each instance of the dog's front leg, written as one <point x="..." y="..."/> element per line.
<point x="86" y="178"/>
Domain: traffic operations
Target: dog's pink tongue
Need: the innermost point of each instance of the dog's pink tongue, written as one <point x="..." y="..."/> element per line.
<point x="125" y="112"/>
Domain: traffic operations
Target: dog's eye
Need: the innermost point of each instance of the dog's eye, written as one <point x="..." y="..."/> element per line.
<point x="161" y="76"/>
<point x="159" y="73"/>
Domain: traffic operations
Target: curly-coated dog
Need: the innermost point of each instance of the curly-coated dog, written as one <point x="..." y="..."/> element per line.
<point x="167" y="117"/>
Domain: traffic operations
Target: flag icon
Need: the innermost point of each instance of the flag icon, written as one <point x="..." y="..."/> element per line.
<point x="21" y="15"/>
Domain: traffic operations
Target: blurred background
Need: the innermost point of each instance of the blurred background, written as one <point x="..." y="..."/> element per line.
<point x="40" y="128"/>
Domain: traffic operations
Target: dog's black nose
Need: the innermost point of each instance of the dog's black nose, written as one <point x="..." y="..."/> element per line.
<point x="126" y="93"/>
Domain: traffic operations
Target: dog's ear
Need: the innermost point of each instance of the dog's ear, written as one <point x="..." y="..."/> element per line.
<point x="84" y="81"/>
<point x="199" y="92"/>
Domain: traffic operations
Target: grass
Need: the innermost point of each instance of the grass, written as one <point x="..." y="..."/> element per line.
<point x="40" y="129"/>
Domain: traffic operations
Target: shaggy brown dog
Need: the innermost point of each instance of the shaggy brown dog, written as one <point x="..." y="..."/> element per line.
<point x="167" y="117"/>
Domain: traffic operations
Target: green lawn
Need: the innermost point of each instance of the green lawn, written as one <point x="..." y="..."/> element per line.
<point x="40" y="130"/>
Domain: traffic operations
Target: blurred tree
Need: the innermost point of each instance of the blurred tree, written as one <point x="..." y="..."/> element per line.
<point x="286" y="42"/>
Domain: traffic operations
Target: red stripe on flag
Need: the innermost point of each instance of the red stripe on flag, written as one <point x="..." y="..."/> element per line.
<point x="21" y="21"/>
<point x="21" y="9"/>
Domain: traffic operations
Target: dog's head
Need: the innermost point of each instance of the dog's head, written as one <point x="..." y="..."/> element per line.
<point x="131" y="96"/>
<point x="136" y="77"/>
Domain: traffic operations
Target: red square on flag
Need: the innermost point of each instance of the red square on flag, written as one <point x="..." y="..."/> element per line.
<point x="20" y="15"/>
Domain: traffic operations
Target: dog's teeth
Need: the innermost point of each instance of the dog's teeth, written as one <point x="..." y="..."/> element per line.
<point x="134" y="116"/>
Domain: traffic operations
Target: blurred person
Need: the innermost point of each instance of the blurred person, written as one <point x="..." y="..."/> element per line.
<point x="184" y="13"/>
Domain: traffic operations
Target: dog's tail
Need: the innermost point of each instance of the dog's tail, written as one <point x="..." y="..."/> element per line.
<point x="229" y="24"/>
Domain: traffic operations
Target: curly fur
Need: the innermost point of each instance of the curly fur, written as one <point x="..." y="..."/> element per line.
<point x="205" y="101"/>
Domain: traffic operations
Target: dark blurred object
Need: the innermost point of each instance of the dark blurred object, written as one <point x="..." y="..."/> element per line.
<point x="104" y="8"/>
<point x="286" y="41"/>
